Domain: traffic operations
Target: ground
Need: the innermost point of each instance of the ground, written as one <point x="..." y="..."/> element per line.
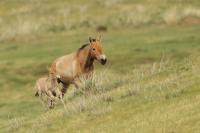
<point x="151" y="81"/>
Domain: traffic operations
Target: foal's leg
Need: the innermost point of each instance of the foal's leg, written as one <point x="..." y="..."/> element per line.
<point x="52" y="104"/>
<point x="43" y="100"/>
<point x="50" y="95"/>
<point x="51" y="100"/>
<point x="39" y="93"/>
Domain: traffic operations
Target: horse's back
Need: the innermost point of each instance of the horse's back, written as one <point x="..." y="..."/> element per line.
<point x="64" y="65"/>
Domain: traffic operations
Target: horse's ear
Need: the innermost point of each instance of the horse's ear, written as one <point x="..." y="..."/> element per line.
<point x="90" y="39"/>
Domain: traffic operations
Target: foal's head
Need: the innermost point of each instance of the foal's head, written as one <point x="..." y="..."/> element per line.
<point x="97" y="51"/>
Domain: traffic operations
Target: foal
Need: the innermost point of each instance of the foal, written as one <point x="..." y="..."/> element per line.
<point x="72" y="66"/>
<point x="43" y="88"/>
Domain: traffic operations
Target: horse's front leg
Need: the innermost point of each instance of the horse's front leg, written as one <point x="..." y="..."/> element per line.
<point x="77" y="83"/>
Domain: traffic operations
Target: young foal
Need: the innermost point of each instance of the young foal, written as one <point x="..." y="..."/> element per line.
<point x="72" y="66"/>
<point x="43" y="88"/>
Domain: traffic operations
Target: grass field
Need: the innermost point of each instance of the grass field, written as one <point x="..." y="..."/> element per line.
<point x="150" y="84"/>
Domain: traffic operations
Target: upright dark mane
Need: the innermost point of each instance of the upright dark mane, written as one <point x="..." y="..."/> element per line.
<point x="83" y="46"/>
<point x="88" y="60"/>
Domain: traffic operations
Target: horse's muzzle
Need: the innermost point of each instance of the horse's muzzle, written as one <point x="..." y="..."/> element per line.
<point x="103" y="61"/>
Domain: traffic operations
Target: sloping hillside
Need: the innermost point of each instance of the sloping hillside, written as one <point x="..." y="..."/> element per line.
<point x="151" y="81"/>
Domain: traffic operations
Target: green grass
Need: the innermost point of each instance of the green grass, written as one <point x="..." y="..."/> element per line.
<point x="151" y="81"/>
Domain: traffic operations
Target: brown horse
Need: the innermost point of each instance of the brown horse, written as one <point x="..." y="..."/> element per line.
<point x="72" y="66"/>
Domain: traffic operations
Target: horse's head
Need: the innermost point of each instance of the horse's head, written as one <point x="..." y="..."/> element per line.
<point x="97" y="51"/>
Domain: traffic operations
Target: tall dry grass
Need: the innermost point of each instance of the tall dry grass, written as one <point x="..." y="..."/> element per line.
<point x="154" y="82"/>
<point x="175" y="15"/>
<point x="38" y="18"/>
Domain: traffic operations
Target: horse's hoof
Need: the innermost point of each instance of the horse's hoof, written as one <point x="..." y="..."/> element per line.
<point x="51" y="107"/>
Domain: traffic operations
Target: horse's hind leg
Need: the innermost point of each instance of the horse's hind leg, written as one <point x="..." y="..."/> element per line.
<point x="58" y="91"/>
<point x="64" y="89"/>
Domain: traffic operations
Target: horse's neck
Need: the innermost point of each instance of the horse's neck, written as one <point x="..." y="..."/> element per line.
<point x="85" y="59"/>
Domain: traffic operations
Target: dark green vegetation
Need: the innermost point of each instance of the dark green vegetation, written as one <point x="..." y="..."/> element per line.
<point x="150" y="84"/>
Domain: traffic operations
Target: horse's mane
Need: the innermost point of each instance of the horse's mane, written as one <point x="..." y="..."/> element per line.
<point x="83" y="46"/>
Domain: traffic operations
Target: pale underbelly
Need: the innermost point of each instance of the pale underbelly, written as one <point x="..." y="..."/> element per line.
<point x="69" y="74"/>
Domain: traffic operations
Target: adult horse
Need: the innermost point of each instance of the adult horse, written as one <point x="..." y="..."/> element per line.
<point x="71" y="67"/>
